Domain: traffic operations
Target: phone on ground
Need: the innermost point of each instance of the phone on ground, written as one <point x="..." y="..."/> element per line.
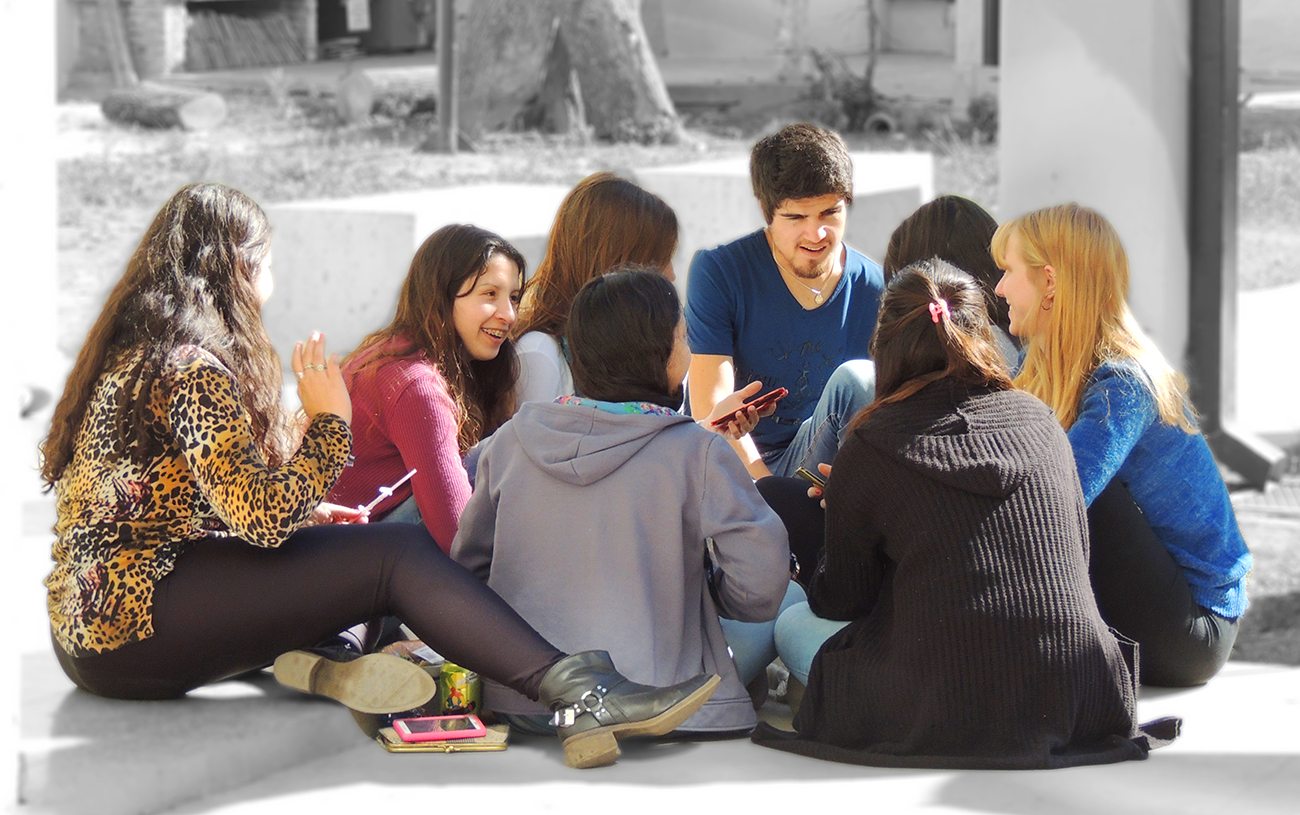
<point x="439" y="728"/>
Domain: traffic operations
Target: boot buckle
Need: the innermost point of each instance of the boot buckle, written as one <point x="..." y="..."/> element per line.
<point x="591" y="703"/>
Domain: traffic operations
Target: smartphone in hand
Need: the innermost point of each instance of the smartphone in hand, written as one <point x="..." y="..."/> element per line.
<point x="758" y="402"/>
<point x="811" y="477"/>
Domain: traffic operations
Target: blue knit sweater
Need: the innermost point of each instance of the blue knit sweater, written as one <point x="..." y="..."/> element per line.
<point x="1172" y="477"/>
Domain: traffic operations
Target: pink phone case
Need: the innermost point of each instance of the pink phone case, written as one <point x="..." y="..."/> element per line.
<point x="410" y="729"/>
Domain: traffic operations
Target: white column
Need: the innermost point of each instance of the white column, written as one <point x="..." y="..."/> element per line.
<point x="27" y="331"/>
<point x="1094" y="109"/>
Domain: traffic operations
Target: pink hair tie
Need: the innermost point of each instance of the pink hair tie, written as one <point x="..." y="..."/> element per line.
<point x="939" y="308"/>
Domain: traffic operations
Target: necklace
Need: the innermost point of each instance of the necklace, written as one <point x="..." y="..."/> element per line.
<point x="816" y="292"/>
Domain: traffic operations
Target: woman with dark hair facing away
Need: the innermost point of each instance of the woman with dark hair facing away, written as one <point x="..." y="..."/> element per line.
<point x="439" y="377"/>
<point x="591" y="513"/>
<point x="956" y="547"/>
<point x="1168" y="563"/>
<point x="603" y="221"/>
<point x="960" y="231"/>
<point x="184" y="553"/>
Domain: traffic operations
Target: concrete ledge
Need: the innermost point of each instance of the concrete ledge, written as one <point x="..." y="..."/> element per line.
<point x="252" y="747"/>
<point x="338" y="264"/>
<point x="715" y="202"/>
<point x="1237" y="754"/>
<point x="79" y="753"/>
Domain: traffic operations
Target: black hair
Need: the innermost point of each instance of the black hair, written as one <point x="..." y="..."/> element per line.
<point x="957" y="230"/>
<point x="933" y="325"/>
<point x="621" y="334"/>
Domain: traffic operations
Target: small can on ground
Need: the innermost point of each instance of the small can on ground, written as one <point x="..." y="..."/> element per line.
<point x="460" y="690"/>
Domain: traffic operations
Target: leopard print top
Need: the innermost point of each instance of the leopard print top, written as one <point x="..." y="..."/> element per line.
<point x="123" y="521"/>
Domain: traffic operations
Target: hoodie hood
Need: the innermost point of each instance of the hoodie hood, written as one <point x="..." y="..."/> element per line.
<point x="581" y="445"/>
<point x="963" y="438"/>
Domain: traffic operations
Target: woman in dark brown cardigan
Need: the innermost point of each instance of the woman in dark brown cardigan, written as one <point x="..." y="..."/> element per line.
<point x="956" y="544"/>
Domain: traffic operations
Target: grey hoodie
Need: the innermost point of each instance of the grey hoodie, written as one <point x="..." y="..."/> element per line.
<point x="592" y="525"/>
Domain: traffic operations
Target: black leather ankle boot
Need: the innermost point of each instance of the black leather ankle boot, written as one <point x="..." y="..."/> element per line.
<point x="594" y="704"/>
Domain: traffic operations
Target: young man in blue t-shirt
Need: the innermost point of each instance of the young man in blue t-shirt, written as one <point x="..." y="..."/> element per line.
<point x="790" y="305"/>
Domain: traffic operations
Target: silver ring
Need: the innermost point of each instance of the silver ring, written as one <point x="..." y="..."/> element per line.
<point x="318" y="367"/>
<point x="298" y="374"/>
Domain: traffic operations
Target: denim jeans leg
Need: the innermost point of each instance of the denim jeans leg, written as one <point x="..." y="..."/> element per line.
<point x="799" y="635"/>
<point x="751" y="644"/>
<point x="850" y="388"/>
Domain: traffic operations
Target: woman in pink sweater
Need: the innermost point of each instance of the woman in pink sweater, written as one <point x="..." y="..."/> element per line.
<point x="437" y="379"/>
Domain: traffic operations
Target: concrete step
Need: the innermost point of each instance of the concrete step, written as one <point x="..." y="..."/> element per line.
<point x="79" y="753"/>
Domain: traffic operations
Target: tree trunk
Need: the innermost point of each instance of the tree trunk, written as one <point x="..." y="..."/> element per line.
<point x="505" y="53"/>
<point x="502" y="50"/>
<point x="157" y="106"/>
<point x="113" y="28"/>
<point x="623" y="92"/>
<point x="558" y="107"/>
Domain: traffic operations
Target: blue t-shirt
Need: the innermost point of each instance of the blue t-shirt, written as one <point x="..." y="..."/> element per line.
<point x="738" y="305"/>
<point x="1172" y="477"/>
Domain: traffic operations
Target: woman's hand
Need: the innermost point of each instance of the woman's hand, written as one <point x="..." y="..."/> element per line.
<point x="327" y="513"/>
<point x="745" y="421"/>
<point x="320" y="383"/>
<point x="817" y="492"/>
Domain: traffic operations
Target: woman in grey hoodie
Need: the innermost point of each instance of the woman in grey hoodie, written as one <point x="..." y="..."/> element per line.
<point x="594" y="515"/>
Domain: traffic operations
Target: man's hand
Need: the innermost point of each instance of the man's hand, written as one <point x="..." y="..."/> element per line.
<point x="744" y="421"/>
<point x="713" y="380"/>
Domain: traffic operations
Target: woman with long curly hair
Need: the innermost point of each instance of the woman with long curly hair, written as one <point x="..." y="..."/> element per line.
<point x="437" y="379"/>
<point x="1168" y="564"/>
<point x="603" y="222"/>
<point x="183" y="552"/>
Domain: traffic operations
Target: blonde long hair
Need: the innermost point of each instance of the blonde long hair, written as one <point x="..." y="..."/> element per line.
<point x="1090" y="321"/>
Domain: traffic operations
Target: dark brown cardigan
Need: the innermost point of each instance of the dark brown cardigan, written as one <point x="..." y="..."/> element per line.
<point x="956" y="542"/>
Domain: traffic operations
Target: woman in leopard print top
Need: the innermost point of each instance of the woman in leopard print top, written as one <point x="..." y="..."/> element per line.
<point x="182" y="556"/>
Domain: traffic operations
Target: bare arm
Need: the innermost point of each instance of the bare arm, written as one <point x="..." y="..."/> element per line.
<point x="712" y="379"/>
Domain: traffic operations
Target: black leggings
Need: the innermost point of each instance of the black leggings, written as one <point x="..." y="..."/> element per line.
<point x="229" y="607"/>
<point x="804" y="519"/>
<point x="1143" y="594"/>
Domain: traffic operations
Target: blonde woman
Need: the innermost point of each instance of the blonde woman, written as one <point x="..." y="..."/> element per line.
<point x="1168" y="561"/>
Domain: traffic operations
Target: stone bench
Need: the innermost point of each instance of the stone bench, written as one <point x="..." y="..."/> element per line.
<point x="715" y="202"/>
<point x="79" y="753"/>
<point x="1238" y="752"/>
<point x="339" y="263"/>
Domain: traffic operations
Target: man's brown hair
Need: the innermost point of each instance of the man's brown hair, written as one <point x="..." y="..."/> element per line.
<point x="799" y="161"/>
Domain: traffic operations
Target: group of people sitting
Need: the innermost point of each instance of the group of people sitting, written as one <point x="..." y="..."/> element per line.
<point x="1018" y="511"/>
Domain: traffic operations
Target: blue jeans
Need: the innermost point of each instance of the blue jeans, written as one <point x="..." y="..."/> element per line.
<point x="752" y="645"/>
<point x="799" y="635"/>
<point x="850" y="388"/>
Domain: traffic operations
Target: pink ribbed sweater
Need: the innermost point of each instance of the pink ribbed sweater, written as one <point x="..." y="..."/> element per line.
<point x="403" y="417"/>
